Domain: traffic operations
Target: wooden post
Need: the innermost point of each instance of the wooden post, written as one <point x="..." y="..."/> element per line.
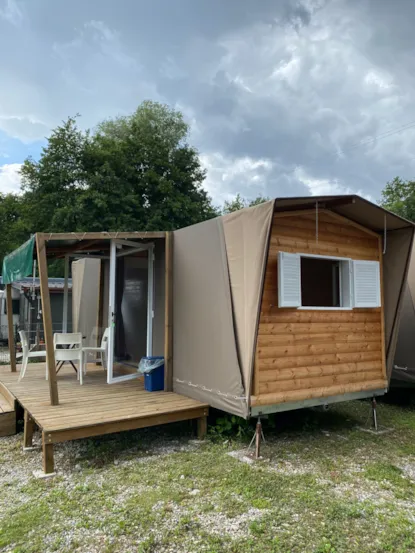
<point x="47" y="318"/>
<point x="48" y="462"/>
<point x="29" y="427"/>
<point x="12" y="348"/>
<point x="168" y="314"/>
<point x="201" y="427"/>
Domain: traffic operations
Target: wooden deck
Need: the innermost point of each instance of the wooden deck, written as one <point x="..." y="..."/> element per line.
<point x="7" y="417"/>
<point x="94" y="409"/>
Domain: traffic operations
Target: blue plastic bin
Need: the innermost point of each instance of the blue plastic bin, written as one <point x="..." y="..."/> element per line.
<point x="154" y="380"/>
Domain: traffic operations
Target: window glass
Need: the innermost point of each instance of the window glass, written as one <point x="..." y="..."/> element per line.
<point x="320" y="282"/>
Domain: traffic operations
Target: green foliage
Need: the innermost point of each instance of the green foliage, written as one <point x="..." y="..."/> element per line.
<point x="231" y="426"/>
<point x="13" y="227"/>
<point x="257" y="528"/>
<point x="239" y="203"/>
<point x="326" y="547"/>
<point x="135" y="172"/>
<point x="54" y="184"/>
<point x="399" y="196"/>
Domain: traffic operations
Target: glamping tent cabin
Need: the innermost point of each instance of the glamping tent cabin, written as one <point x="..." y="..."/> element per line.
<point x="291" y="303"/>
<point x="288" y="304"/>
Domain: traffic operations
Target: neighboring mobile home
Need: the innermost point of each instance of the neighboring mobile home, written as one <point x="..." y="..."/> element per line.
<point x="27" y="311"/>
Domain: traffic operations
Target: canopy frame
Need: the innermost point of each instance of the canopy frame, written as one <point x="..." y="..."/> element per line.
<point x="93" y="245"/>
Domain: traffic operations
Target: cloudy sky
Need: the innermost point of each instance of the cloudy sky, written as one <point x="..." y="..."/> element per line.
<point x="287" y="97"/>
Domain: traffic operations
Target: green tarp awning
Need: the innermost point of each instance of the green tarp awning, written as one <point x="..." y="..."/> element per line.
<point x="19" y="263"/>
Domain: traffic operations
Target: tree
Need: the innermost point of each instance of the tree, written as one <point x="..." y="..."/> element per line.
<point x="399" y="196"/>
<point x="136" y="172"/>
<point x="145" y="165"/>
<point x="239" y="203"/>
<point x="53" y="185"/>
<point x="13" y="229"/>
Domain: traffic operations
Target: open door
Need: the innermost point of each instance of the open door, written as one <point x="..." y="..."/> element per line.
<point x="121" y="248"/>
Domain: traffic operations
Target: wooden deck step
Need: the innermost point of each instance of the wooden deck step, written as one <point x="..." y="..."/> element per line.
<point x="7" y="417"/>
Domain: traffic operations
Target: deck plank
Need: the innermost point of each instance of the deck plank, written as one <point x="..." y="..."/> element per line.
<point x="95" y="407"/>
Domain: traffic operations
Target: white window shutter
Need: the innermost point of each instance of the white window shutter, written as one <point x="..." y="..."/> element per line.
<point x="366" y="283"/>
<point x="289" y="280"/>
<point x="346" y="283"/>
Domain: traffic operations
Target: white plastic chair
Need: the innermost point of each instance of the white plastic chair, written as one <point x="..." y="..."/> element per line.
<point x="68" y="347"/>
<point x="101" y="350"/>
<point x="27" y="354"/>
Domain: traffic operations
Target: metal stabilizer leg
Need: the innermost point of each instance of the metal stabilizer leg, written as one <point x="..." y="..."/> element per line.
<point x="257" y="437"/>
<point x="374" y="414"/>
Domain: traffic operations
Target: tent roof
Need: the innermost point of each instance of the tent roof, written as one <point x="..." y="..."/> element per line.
<point x="353" y="207"/>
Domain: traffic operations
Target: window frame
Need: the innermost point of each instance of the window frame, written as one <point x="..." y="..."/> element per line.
<point x="328" y="308"/>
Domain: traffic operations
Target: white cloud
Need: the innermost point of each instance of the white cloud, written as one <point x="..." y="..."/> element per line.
<point x="375" y="78"/>
<point x="227" y="176"/>
<point x="26" y="128"/>
<point x="11" y="12"/>
<point x="326" y="187"/>
<point x="10" y="179"/>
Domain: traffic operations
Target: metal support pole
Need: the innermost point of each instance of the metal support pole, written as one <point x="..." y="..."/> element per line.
<point x="375" y="420"/>
<point x="111" y="310"/>
<point x="150" y="298"/>
<point x="65" y="297"/>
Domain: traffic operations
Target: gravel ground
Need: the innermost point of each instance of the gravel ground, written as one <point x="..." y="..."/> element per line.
<point x="322" y="486"/>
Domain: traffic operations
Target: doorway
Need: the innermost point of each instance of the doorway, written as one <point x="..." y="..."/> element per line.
<point x="131" y="295"/>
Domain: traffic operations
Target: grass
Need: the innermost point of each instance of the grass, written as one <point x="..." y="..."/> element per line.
<point x="323" y="486"/>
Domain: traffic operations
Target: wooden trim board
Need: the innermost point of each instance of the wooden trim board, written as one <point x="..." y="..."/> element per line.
<point x="144" y="235"/>
<point x="54" y="437"/>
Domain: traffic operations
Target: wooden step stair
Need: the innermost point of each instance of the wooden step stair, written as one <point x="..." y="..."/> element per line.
<point x="7" y="417"/>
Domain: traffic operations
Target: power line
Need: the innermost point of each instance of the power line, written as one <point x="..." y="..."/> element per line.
<point x="368" y="140"/>
<point x="371" y="139"/>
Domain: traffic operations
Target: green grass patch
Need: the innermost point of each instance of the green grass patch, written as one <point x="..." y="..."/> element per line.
<point x="325" y="487"/>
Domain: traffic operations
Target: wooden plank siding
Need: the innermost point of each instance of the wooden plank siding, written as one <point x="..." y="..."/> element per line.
<point x="305" y="354"/>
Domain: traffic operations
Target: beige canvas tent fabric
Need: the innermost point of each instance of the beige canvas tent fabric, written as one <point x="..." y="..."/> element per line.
<point x="205" y="358"/>
<point x="404" y="361"/>
<point x="246" y="236"/>
<point x="395" y="266"/>
<point x="85" y="298"/>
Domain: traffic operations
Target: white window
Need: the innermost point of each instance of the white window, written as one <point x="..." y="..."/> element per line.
<point x="323" y="282"/>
